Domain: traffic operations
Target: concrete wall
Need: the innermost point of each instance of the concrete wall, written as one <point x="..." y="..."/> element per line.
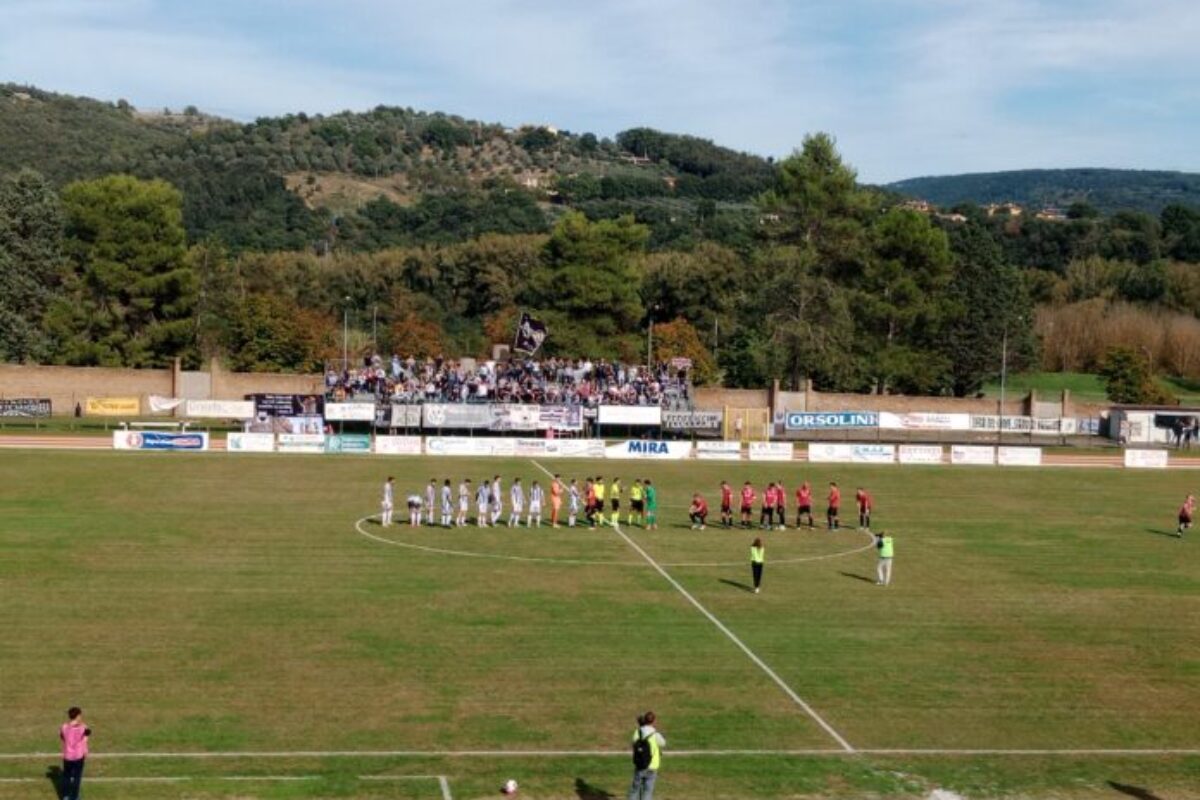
<point x="715" y="398"/>
<point x="66" y="386"/>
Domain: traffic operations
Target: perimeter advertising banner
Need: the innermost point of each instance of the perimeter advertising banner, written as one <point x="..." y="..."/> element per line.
<point x="630" y="415"/>
<point x="350" y="412"/>
<point x="972" y="454"/>
<point x="292" y="414"/>
<point x="924" y="421"/>
<point x="250" y="443"/>
<point x="300" y="442"/>
<point x="920" y="454"/>
<point x="649" y="448"/>
<point x="825" y="420"/>
<point x="829" y="453"/>
<point x="1019" y="456"/>
<point x="470" y="446"/>
<point x="693" y="420"/>
<point x="348" y="443"/>
<point x="156" y="440"/>
<point x="873" y="453"/>
<point x="1146" y="459"/>
<point x="219" y="409"/>
<point x="771" y="451"/>
<point x="112" y="406"/>
<point x="514" y="417"/>
<point x="719" y="451"/>
<point x="456" y="416"/>
<point x="560" y="448"/>
<point x="560" y="418"/>
<point x="406" y="416"/>
<point x="398" y="445"/>
<point x="25" y="407"/>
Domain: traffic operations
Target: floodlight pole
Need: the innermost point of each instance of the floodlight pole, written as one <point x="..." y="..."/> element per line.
<point x="345" y="334"/>
<point x="1003" y="376"/>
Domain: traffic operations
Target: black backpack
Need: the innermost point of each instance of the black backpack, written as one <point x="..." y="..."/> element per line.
<point x="642" y="752"/>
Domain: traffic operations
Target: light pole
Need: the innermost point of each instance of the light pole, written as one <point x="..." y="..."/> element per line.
<point x="1003" y="379"/>
<point x="346" y="334"/>
<point x="650" y="339"/>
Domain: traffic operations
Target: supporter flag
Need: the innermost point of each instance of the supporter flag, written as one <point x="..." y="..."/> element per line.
<point x="530" y="334"/>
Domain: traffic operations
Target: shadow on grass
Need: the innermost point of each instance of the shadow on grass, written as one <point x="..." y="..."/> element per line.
<point x="586" y="791"/>
<point x="1161" y="532"/>
<point x="1134" y="791"/>
<point x="737" y="585"/>
<point x="54" y="775"/>
<point x="856" y="577"/>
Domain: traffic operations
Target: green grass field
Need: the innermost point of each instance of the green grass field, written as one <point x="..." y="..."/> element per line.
<point x="1084" y="387"/>
<point x="227" y="604"/>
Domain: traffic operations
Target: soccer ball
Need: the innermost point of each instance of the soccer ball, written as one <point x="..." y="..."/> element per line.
<point x="510" y="786"/>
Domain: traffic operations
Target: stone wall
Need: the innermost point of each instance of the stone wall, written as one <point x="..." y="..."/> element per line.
<point x="715" y="398"/>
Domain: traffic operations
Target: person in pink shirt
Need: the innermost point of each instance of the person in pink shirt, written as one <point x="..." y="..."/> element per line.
<point x="74" y="734"/>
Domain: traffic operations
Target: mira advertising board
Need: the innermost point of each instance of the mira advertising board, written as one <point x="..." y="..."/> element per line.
<point x="824" y="420"/>
<point x="159" y="440"/>
<point x="649" y="448"/>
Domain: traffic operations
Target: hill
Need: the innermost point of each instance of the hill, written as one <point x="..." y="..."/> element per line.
<point x="282" y="182"/>
<point x="1107" y="190"/>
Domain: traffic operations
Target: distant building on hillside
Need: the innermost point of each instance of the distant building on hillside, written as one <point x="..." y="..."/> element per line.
<point x="920" y="206"/>
<point x="1052" y="214"/>
<point x="1012" y="209"/>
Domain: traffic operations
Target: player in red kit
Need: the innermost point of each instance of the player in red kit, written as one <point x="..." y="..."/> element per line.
<point x="766" y="516"/>
<point x="726" y="505"/>
<point x="748" y="496"/>
<point x="1186" y="512"/>
<point x="781" y="506"/>
<point x="804" y="504"/>
<point x="863" y="498"/>
<point x="698" y="512"/>
<point x="832" y="518"/>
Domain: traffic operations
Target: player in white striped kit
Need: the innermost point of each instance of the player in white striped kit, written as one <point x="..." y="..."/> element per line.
<point x="516" y="496"/>
<point x="387" y="504"/>
<point x="464" y="503"/>
<point x="447" y="509"/>
<point x="497" y="497"/>
<point x="430" y="498"/>
<point x="535" y="505"/>
<point x="572" y="503"/>
<point x="483" y="501"/>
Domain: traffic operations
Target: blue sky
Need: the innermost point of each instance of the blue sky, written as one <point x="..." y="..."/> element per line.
<point x="908" y="87"/>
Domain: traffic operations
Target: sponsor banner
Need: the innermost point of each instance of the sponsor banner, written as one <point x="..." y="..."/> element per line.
<point x="560" y="418"/>
<point x="771" y="451"/>
<point x="1019" y="456"/>
<point x="1146" y="459"/>
<point x="112" y="406"/>
<point x="818" y="420"/>
<point x="873" y="453"/>
<point x="398" y="445"/>
<point x="1089" y="426"/>
<point x="826" y="452"/>
<point x="301" y="442"/>
<point x="460" y="416"/>
<point x="469" y="446"/>
<point x="514" y="417"/>
<point x="406" y="416"/>
<point x="648" y="448"/>
<point x="1034" y="425"/>
<point x="350" y="412"/>
<point x="250" y="443"/>
<point x="630" y="415"/>
<point x="219" y="409"/>
<point x="560" y="448"/>
<point x="157" y="440"/>
<point x="719" y="451"/>
<point x="972" y="454"/>
<point x="159" y="404"/>
<point x="25" y="407"/>
<point x="693" y="420"/>
<point x="920" y="454"/>
<point x="924" y="421"/>
<point x="348" y="442"/>
<point x="287" y="405"/>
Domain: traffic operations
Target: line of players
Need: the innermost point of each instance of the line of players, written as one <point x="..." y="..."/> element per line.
<point x="773" y="509"/>
<point x="489" y="502"/>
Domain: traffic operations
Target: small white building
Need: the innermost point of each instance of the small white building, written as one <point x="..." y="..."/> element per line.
<point x="1165" y="425"/>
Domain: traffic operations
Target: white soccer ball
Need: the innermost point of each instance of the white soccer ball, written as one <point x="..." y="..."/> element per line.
<point x="510" y="786"/>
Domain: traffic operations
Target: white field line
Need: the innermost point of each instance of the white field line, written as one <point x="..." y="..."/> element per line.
<point x="837" y="737"/>
<point x="505" y="754"/>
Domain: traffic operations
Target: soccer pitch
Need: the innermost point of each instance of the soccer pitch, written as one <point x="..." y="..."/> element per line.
<point x="239" y="626"/>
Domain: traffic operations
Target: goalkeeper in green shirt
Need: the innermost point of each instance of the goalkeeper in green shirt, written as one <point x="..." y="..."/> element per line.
<point x="651" y="495"/>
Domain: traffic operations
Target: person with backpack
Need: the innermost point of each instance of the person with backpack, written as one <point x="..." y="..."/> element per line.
<point x="647" y="757"/>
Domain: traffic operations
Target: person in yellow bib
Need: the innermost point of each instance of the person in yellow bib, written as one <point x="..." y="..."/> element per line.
<point x="635" y="504"/>
<point x="758" y="555"/>
<point x="886" y="548"/>
<point x="648" y="745"/>
<point x="614" y="497"/>
<point x="599" y="486"/>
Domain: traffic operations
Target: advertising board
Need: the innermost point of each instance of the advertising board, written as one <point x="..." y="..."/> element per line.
<point x="25" y="407"/>
<point x="300" y="443"/>
<point x="560" y="448"/>
<point x="630" y="415"/>
<point x="972" y="454"/>
<point x="771" y="451"/>
<point x="348" y="443"/>
<point x="824" y="420"/>
<point x="398" y="445"/>
<point x="827" y="452"/>
<point x="156" y="440"/>
<point x="112" y="406"/>
<point x="250" y="443"/>
<point x="920" y="454"/>
<point x="649" y="448"/>
<point x="719" y="451"/>
<point x="925" y="421"/>
<point x="1146" y="459"/>
<point x="1018" y="456"/>
<point x="710" y="421"/>
<point x="350" y="412"/>
<point x="219" y="409"/>
<point x="560" y="418"/>
<point x="469" y="446"/>
<point x="873" y="453"/>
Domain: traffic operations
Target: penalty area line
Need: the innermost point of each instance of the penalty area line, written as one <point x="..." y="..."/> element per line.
<point x="825" y="726"/>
